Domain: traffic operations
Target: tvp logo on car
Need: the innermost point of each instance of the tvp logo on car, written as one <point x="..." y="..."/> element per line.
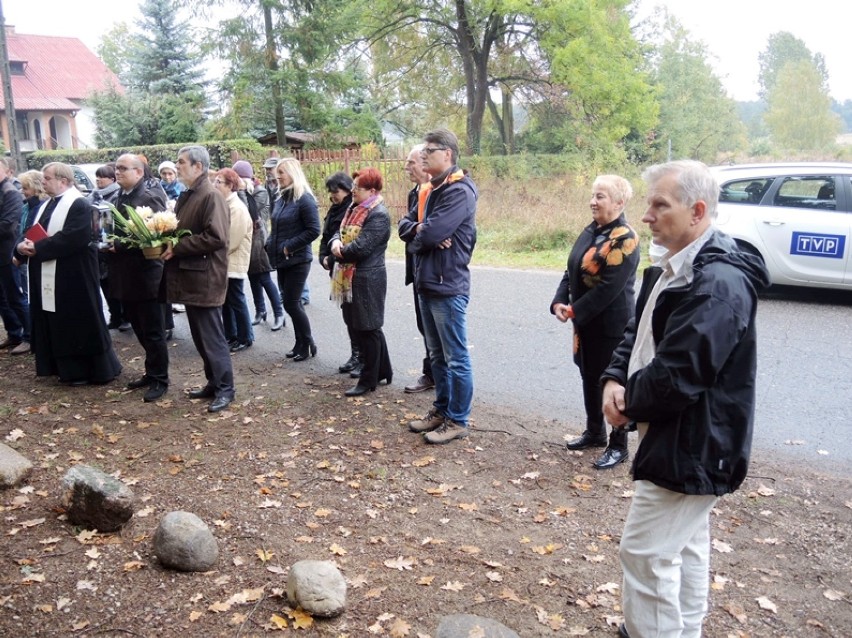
<point x="816" y="245"/>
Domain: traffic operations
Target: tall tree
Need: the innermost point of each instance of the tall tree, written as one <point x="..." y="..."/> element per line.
<point x="164" y="60"/>
<point x="800" y="116"/>
<point x="696" y="115"/>
<point x="781" y="48"/>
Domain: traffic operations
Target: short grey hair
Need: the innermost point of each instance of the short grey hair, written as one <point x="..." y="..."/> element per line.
<point x="60" y="171"/>
<point x="694" y="181"/>
<point x="617" y="187"/>
<point x="196" y="155"/>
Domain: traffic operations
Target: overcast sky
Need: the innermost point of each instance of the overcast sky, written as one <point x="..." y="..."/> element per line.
<point x="735" y="31"/>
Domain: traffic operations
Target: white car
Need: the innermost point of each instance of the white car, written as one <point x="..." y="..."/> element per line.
<point x="797" y="216"/>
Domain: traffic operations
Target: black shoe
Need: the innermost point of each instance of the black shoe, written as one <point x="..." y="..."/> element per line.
<point x="232" y="343"/>
<point x="169" y="334"/>
<point x="309" y="348"/>
<point x="141" y="382"/>
<point x="610" y="458"/>
<point x="155" y="391"/>
<point x="202" y="393"/>
<point x="113" y="324"/>
<point x="388" y="379"/>
<point x="9" y="342"/>
<point x="350" y="364"/>
<point x="239" y="347"/>
<point x="219" y="404"/>
<point x="356" y="371"/>
<point x="587" y="440"/>
<point x="125" y="327"/>
<point x="278" y="323"/>
<point x="258" y="317"/>
<point x="358" y="390"/>
<point x="622" y="631"/>
<point x="294" y="351"/>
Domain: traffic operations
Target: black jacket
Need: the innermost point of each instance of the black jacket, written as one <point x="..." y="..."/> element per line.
<point x="330" y="226"/>
<point x="598" y="286"/>
<point x="697" y="394"/>
<point x="370" y="283"/>
<point x="131" y="276"/>
<point x="295" y="224"/>
<point x="450" y="213"/>
<point x="11" y="209"/>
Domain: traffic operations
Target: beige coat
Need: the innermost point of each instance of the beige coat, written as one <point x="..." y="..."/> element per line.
<point x="197" y="275"/>
<point x="239" y="253"/>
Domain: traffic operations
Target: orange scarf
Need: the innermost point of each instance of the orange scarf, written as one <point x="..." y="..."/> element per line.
<point x="427" y="188"/>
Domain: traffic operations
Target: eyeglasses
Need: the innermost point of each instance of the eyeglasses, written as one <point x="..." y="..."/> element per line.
<point x="431" y="149"/>
<point x="122" y="169"/>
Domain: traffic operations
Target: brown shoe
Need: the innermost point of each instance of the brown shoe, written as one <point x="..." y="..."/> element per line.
<point x="449" y="431"/>
<point x="432" y="421"/>
<point x="21" y="348"/>
<point x="421" y="385"/>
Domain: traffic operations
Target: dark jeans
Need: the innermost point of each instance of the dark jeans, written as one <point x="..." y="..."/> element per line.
<point x="235" y="314"/>
<point x="168" y="316"/>
<point x="291" y="281"/>
<point x="260" y="282"/>
<point x="16" y="311"/>
<point x="427" y="362"/>
<point x="593" y="358"/>
<point x="208" y="335"/>
<point x="146" y="317"/>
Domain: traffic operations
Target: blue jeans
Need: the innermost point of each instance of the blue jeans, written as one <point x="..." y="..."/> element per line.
<point x="261" y="282"/>
<point x="235" y="314"/>
<point x="445" y="327"/>
<point x="16" y="310"/>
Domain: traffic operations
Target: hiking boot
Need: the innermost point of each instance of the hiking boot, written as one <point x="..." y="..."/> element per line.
<point x="448" y="431"/>
<point x="432" y="421"/>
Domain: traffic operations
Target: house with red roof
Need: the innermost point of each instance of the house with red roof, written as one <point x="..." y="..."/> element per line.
<point x="51" y="79"/>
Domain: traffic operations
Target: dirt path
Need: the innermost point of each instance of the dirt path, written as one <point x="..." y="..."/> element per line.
<point x="506" y="524"/>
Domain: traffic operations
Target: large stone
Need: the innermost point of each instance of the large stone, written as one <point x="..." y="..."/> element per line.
<point x="14" y="467"/>
<point x="183" y="541"/>
<point x="318" y="587"/>
<point x="95" y="499"/>
<point x="464" y="625"/>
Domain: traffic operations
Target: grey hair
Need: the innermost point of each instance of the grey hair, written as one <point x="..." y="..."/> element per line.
<point x="618" y="188"/>
<point x="60" y="171"/>
<point x="196" y="155"/>
<point x="694" y="181"/>
<point x="417" y="148"/>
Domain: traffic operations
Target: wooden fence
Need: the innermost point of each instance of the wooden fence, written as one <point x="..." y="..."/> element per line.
<point x="319" y="164"/>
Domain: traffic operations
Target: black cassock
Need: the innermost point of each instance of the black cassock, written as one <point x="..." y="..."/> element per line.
<point x="72" y="342"/>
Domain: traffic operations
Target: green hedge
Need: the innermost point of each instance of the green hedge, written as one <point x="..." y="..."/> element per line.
<point x="220" y="154"/>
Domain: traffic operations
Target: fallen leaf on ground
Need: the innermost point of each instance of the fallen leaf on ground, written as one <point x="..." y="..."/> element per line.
<point x="400" y="563"/>
<point x="400" y="628"/>
<point x="833" y="594"/>
<point x="453" y="586"/>
<point x="767" y="604"/>
<point x="264" y="555"/>
<point x="721" y="547"/>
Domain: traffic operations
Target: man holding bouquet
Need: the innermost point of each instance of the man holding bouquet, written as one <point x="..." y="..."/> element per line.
<point x="135" y="280"/>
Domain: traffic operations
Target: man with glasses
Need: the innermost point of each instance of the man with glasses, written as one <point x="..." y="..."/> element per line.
<point x="135" y="281"/>
<point x="441" y="237"/>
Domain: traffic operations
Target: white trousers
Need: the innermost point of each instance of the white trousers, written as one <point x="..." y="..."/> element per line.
<point x="665" y="556"/>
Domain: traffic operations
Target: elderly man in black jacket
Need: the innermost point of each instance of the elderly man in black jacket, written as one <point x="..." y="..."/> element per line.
<point x="685" y="374"/>
<point x="135" y="281"/>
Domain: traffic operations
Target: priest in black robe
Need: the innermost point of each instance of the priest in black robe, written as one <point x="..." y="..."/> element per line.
<point x="69" y="334"/>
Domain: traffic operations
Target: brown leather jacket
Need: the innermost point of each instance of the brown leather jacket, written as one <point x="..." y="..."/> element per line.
<point x="197" y="275"/>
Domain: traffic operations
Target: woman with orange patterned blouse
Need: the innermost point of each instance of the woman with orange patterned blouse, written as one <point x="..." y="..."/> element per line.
<point x="596" y="294"/>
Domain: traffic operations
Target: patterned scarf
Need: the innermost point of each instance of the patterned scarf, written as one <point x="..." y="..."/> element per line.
<point x="350" y="228"/>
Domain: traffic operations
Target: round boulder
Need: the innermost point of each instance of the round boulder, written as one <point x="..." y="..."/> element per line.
<point x="184" y="542"/>
<point x="318" y="587"/>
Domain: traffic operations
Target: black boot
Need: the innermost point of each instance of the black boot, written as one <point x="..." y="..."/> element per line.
<point x="304" y="349"/>
<point x="352" y="363"/>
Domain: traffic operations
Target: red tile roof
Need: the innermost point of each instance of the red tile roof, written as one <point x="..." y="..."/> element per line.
<point x="58" y="72"/>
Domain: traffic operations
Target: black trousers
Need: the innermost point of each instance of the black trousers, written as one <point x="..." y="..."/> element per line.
<point x="593" y="358"/>
<point x="208" y="335"/>
<point x="146" y="317"/>
<point x="291" y="281"/>
<point x="374" y="357"/>
<point x="427" y="362"/>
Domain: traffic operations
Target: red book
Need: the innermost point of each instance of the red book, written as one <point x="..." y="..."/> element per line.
<point x="36" y="233"/>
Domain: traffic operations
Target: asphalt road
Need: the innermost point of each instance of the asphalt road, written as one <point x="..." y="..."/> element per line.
<point x="522" y="362"/>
